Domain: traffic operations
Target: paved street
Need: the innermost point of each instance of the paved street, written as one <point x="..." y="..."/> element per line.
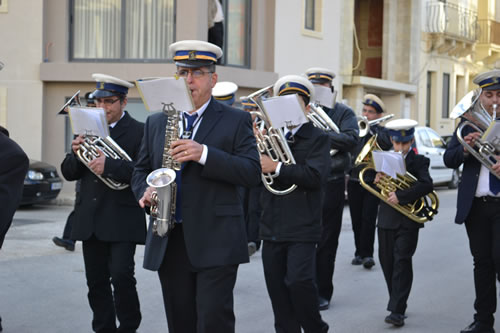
<point x="42" y="287"/>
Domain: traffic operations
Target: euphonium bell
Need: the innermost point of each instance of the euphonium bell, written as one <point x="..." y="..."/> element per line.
<point x="420" y="211"/>
<point x="162" y="212"/>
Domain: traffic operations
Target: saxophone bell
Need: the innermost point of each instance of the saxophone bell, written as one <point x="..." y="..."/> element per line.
<point x="163" y="181"/>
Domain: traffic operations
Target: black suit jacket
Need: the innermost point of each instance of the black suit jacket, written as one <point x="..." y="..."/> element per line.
<point x="212" y="208"/>
<point x="110" y="215"/>
<point x="13" y="167"/>
<point x="296" y="217"/>
<point x="453" y="157"/>
<point x="418" y="166"/>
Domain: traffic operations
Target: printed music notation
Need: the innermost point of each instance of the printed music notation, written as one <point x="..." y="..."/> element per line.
<point x="88" y="121"/>
<point x="156" y="92"/>
<point x="389" y="162"/>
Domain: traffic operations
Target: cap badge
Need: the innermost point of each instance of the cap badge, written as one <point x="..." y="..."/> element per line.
<point x="101" y="85"/>
<point x="403" y="133"/>
<point x="192" y="55"/>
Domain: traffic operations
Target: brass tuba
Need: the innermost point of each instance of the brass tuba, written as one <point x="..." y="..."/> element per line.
<point x="91" y="145"/>
<point x="272" y="143"/>
<point x="420" y="211"/>
<point x="476" y="116"/>
<point x="164" y="198"/>
<point x="365" y="124"/>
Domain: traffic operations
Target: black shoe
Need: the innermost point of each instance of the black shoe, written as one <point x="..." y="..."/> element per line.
<point x="368" y="262"/>
<point x="324" y="304"/>
<point x="66" y="243"/>
<point x="396" y="319"/>
<point x="357" y="261"/>
<point x="477" y="327"/>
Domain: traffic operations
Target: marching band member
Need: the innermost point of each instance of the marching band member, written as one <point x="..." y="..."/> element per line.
<point x="290" y="226"/>
<point x="225" y="92"/>
<point x="109" y="222"/>
<point x="363" y="205"/>
<point x="333" y="204"/>
<point x="397" y="233"/>
<point x="198" y="260"/>
<point x="478" y="206"/>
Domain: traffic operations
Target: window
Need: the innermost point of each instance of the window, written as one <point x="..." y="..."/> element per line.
<point x="123" y="30"/>
<point x="312" y="20"/>
<point x="237" y="18"/>
<point x="3" y="6"/>
<point x="446" y="96"/>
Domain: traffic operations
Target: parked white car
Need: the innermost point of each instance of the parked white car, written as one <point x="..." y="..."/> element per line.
<point x="431" y="145"/>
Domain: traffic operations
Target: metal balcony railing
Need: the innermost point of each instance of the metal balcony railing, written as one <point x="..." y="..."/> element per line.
<point x="490" y="32"/>
<point x="451" y="20"/>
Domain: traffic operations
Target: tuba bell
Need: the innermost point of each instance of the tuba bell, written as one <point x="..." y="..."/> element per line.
<point x="271" y="141"/>
<point x="475" y="115"/>
<point x="420" y="211"/>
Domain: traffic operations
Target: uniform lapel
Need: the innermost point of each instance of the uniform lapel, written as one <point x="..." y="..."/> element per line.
<point x="121" y="127"/>
<point x="210" y="118"/>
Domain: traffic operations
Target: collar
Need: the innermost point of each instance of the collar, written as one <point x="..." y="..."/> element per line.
<point x="112" y="125"/>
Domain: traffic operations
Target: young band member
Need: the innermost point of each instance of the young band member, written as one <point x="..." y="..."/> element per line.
<point x="363" y="205"/>
<point x="333" y="207"/>
<point x="397" y="233"/>
<point x="198" y="260"/>
<point x="291" y="224"/>
<point x="478" y="206"/>
<point x="109" y="222"/>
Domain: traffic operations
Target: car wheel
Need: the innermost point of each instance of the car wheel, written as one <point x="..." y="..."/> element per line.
<point x="455" y="179"/>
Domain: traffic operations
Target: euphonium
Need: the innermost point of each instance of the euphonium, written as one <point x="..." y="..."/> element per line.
<point x="476" y="116"/>
<point x="91" y="145"/>
<point x="364" y="124"/>
<point x="163" y="198"/>
<point x="422" y="210"/>
<point x="272" y="142"/>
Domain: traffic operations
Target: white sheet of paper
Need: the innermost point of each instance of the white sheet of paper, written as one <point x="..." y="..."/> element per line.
<point x="492" y="134"/>
<point x="389" y="162"/>
<point x="155" y="92"/>
<point x="324" y="96"/>
<point x="285" y="111"/>
<point x="88" y="121"/>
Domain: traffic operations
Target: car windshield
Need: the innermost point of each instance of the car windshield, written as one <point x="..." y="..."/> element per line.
<point x="436" y="140"/>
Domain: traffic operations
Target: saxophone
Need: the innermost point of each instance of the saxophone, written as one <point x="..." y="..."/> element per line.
<point x="163" y="198"/>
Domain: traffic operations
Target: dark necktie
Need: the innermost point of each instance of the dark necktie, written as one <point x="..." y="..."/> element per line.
<point x="288" y="135"/>
<point x="494" y="184"/>
<point x="187" y="134"/>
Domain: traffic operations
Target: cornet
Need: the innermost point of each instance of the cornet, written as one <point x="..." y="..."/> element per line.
<point x="475" y="115"/>
<point x="364" y="125"/>
<point x="321" y="120"/>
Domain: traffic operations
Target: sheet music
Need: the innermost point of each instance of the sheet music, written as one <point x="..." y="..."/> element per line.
<point x="285" y="111"/>
<point x="324" y="96"/>
<point x="155" y="92"/>
<point x="389" y="162"/>
<point x="88" y="121"/>
<point x="492" y="134"/>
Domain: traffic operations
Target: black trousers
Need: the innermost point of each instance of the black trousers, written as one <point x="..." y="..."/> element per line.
<point x="69" y="225"/>
<point x="363" y="207"/>
<point x="289" y="269"/>
<point x="333" y="208"/>
<point x="483" y="230"/>
<point x="196" y="300"/>
<point x="396" y="249"/>
<point x="106" y="264"/>
<point x="216" y="34"/>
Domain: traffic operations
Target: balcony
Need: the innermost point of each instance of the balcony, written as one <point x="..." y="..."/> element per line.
<point x="452" y="29"/>
<point x="488" y="45"/>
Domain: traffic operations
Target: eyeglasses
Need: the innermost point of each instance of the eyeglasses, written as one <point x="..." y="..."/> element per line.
<point x="197" y="73"/>
<point x="369" y="111"/>
<point x="107" y="101"/>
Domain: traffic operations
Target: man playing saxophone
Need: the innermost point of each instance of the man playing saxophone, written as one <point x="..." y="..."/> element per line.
<point x="362" y="204"/>
<point x="109" y="222"/>
<point x="333" y="205"/>
<point x="197" y="261"/>
<point x="478" y="207"/>
<point x="397" y="233"/>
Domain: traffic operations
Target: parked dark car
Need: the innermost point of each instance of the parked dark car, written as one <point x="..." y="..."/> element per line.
<point x="42" y="183"/>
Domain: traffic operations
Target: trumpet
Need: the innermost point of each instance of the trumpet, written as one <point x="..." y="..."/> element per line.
<point x="320" y="119"/>
<point x="272" y="143"/>
<point x="420" y="211"/>
<point x="364" y="124"/>
<point x="475" y="115"/>
<point x="91" y="145"/>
